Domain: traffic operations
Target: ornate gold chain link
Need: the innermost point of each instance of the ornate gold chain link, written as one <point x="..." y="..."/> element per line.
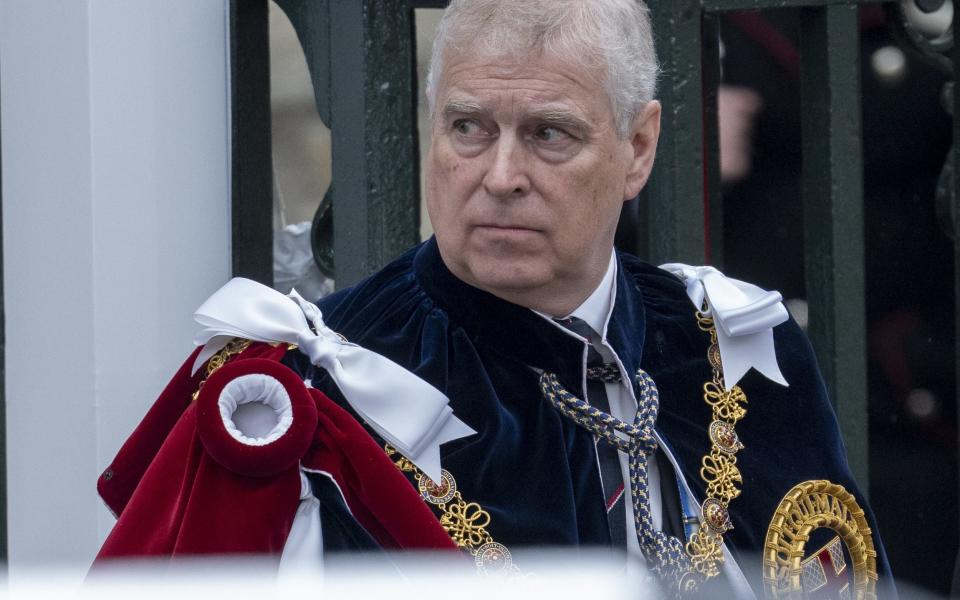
<point x="233" y="347"/>
<point x="465" y="522"/>
<point x="718" y="469"/>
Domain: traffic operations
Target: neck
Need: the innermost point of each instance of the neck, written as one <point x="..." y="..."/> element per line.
<point x="551" y="305"/>
<point x="558" y="298"/>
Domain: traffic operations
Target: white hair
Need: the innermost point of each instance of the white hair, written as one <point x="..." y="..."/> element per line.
<point x="597" y="34"/>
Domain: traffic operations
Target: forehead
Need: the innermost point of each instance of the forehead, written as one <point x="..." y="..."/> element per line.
<point x="532" y="82"/>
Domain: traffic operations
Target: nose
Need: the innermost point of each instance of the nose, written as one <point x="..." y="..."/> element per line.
<point x="506" y="174"/>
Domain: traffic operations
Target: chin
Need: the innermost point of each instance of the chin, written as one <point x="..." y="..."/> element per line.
<point x="506" y="277"/>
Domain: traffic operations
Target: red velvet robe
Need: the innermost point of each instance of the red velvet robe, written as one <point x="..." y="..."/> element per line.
<point x="181" y="485"/>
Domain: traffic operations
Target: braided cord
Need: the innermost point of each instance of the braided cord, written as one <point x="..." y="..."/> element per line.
<point x="587" y="416"/>
<point x="665" y="555"/>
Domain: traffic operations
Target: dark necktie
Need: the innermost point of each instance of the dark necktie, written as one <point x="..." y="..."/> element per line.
<point x="664" y="553"/>
<point x="611" y="475"/>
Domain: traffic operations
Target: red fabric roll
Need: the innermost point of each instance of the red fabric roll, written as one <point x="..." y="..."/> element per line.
<point x="119" y="480"/>
<point x="267" y="459"/>
<point x="188" y="504"/>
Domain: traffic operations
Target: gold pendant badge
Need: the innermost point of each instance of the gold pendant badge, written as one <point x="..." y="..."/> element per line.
<point x="791" y="570"/>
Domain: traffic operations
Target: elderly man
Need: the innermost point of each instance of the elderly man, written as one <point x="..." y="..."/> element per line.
<point x="595" y="405"/>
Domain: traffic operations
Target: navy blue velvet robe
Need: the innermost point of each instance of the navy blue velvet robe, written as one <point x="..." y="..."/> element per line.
<point x="534" y="470"/>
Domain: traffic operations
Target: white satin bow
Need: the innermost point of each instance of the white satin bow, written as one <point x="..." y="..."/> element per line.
<point x="410" y="414"/>
<point x="745" y="316"/>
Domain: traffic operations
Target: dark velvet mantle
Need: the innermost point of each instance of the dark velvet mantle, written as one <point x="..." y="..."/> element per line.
<point x="535" y="471"/>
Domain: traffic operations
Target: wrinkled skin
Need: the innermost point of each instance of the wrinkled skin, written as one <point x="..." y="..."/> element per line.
<point x="526" y="177"/>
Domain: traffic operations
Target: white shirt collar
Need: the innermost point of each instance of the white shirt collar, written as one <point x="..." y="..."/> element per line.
<point x="596" y="309"/>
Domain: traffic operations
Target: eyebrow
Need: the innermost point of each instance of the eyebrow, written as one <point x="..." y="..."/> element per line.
<point x="461" y="107"/>
<point x="552" y="116"/>
<point x="561" y="117"/>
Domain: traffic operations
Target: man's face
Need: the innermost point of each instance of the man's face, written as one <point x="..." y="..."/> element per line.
<point x="526" y="177"/>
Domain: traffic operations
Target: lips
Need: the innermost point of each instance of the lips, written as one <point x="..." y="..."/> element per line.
<point x="506" y="227"/>
<point x="503" y="236"/>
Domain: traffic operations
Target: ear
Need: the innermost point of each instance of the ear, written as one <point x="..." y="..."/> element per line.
<point x="644" y="134"/>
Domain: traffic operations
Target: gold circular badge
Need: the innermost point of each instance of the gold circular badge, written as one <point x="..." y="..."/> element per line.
<point x="792" y="570"/>
<point x="493" y="558"/>
<point x="725" y="438"/>
<point x="438" y="493"/>
<point x="713" y="355"/>
<point x="716" y="516"/>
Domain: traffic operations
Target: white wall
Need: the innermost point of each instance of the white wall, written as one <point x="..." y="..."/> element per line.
<point x="115" y="157"/>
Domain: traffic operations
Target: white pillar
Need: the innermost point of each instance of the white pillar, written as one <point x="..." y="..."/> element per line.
<point x="116" y="225"/>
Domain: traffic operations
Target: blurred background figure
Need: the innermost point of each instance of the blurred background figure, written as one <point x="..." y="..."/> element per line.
<point x="737" y="111"/>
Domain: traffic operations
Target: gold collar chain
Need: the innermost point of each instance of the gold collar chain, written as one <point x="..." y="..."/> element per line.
<point x="718" y="469"/>
<point x="465" y="522"/>
<point x="222" y="357"/>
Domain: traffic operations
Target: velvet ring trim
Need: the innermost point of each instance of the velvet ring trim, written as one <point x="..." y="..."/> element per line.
<point x="261" y="391"/>
<point x="281" y="391"/>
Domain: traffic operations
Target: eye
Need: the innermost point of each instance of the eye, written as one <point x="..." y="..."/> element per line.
<point x="551" y="135"/>
<point x="468" y="127"/>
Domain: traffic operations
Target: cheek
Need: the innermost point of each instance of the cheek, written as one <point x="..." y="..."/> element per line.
<point x="453" y="177"/>
<point x="585" y="203"/>
<point x="445" y="189"/>
<point x="443" y="164"/>
<point x="432" y="188"/>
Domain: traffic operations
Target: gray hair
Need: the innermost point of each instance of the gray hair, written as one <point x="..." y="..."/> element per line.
<point x="611" y="34"/>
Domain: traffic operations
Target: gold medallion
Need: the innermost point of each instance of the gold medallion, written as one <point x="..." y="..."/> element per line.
<point x="716" y="516"/>
<point x="493" y="558"/>
<point x="438" y="493"/>
<point x="725" y="437"/>
<point x="791" y="570"/>
<point x="713" y="355"/>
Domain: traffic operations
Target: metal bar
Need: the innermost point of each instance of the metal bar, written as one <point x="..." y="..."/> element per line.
<point x="4" y="552"/>
<point x="729" y="5"/>
<point x="251" y="174"/>
<point x="311" y="21"/>
<point x="955" y="207"/>
<point x="713" y="192"/>
<point x="675" y="192"/>
<point x="833" y="215"/>
<point x="375" y="156"/>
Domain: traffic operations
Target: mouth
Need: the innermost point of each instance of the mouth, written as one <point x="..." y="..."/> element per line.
<point x="506" y="228"/>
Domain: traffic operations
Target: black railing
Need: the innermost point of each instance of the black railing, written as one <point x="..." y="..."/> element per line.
<point x="251" y="174"/>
